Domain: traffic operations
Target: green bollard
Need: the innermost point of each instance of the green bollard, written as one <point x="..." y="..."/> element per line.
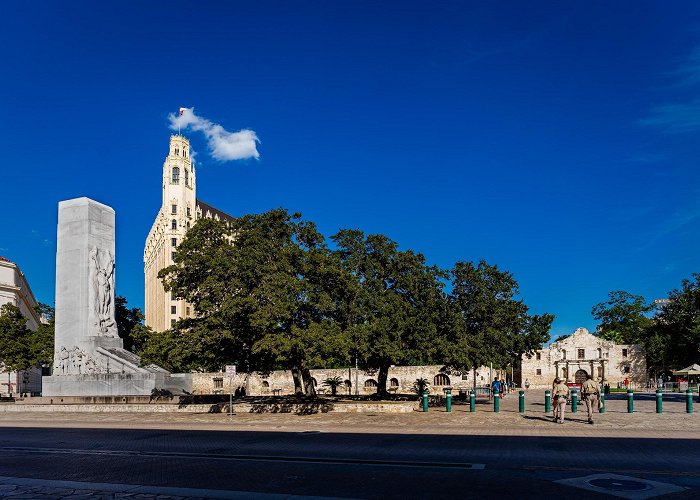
<point x="472" y="401"/>
<point x="659" y="407"/>
<point x="630" y="401"/>
<point x="448" y="400"/>
<point x="496" y="402"/>
<point x="574" y="401"/>
<point x="521" y="402"/>
<point x="602" y="403"/>
<point x="547" y="401"/>
<point x="425" y="401"/>
<point x="689" y="401"/>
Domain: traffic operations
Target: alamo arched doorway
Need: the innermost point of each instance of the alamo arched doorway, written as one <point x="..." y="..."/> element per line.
<point x="580" y="376"/>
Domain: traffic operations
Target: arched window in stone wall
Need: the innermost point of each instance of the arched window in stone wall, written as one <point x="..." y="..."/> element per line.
<point x="441" y="380"/>
<point x="370" y="383"/>
<point x="394" y="382"/>
<point x="266" y="384"/>
<point x="348" y="383"/>
<point x="176" y="175"/>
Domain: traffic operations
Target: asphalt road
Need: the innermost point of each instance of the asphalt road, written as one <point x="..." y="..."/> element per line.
<point x="345" y="464"/>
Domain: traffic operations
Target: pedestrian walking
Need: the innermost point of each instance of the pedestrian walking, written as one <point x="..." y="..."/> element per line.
<point x="495" y="386"/>
<point x="561" y="393"/>
<point x="527" y="384"/>
<point x="591" y="394"/>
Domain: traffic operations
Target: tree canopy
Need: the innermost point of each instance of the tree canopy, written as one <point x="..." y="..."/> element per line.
<point x="396" y="308"/>
<point x="491" y="324"/>
<point x="670" y="333"/>
<point x="20" y="347"/>
<point x="268" y="293"/>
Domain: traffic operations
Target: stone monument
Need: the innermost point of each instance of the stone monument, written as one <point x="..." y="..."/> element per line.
<point x="89" y="356"/>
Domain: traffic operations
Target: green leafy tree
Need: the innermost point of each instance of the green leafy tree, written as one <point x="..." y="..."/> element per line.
<point x="395" y="309"/>
<point x="42" y="343"/>
<point x="490" y="323"/>
<point x="129" y="320"/>
<point x="675" y="338"/>
<point x="267" y="301"/>
<point x="16" y="351"/>
<point x="624" y="318"/>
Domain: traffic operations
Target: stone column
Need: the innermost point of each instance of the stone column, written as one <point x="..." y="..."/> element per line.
<point x="84" y="285"/>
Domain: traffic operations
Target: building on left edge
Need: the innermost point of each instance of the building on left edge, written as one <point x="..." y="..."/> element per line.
<point x="15" y="290"/>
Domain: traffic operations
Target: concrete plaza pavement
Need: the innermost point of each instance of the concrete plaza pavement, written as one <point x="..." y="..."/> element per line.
<point x="415" y="455"/>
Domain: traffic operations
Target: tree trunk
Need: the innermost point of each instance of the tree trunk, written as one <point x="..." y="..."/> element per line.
<point x="309" y="387"/>
<point x="382" y="377"/>
<point x="298" y="386"/>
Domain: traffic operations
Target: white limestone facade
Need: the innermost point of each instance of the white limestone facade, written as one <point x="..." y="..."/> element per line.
<point x="360" y="382"/>
<point x="179" y="210"/>
<point x="15" y="290"/>
<point x="580" y="354"/>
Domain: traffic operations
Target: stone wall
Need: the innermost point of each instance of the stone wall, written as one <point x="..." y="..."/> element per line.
<point x="401" y="379"/>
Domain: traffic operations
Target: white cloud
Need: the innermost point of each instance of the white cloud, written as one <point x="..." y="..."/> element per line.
<point x="682" y="115"/>
<point x="223" y="145"/>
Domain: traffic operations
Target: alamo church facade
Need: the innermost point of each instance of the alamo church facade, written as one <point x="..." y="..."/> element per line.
<point x="580" y="354"/>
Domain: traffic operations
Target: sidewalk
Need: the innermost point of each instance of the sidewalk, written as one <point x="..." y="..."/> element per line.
<point x="19" y="487"/>
<point x="644" y="422"/>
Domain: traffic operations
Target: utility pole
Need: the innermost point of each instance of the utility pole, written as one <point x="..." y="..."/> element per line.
<point x="357" y="389"/>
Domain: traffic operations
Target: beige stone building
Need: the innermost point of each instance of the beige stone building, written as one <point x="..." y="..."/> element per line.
<point x="580" y="354"/>
<point x="15" y="290"/>
<point x="179" y="210"/>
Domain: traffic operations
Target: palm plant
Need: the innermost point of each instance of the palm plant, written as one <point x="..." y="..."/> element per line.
<point x="420" y="385"/>
<point x="333" y="383"/>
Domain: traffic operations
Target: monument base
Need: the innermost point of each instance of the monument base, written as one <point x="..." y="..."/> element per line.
<point x="116" y="384"/>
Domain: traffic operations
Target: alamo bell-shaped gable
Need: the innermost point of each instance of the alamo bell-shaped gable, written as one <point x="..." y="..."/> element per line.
<point x="575" y="356"/>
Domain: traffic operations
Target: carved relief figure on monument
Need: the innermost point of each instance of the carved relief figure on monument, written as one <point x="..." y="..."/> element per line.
<point x="102" y="263"/>
<point x="62" y="365"/>
<point x="75" y="361"/>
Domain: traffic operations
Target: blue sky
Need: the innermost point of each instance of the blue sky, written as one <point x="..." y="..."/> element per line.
<point x="558" y="140"/>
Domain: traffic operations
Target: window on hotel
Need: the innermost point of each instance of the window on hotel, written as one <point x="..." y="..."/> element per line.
<point x="173" y="309"/>
<point x="173" y="224"/>
<point x="176" y="175"/>
<point x="173" y="242"/>
<point x="538" y="356"/>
